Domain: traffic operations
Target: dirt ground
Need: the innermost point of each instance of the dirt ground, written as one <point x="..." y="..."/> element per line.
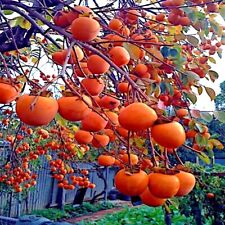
<point x="99" y="214"/>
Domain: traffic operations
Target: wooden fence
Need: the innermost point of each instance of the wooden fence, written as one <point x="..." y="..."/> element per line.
<point x="47" y="194"/>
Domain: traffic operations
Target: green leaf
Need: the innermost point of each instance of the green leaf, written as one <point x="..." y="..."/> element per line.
<point x="79" y="153"/>
<point x="7" y="12"/>
<point x="204" y="158"/>
<point x="206" y="116"/>
<point x="213" y="75"/>
<point x="211" y="93"/>
<point x="61" y="121"/>
<point x="20" y="21"/>
<point x="222" y="11"/>
<point x="169" y="88"/>
<point x="200" y="140"/>
<point x="192" y="76"/>
<point x="200" y="127"/>
<point x="217" y="28"/>
<point x="220" y="115"/>
<point x="191" y="97"/>
<point x="193" y="40"/>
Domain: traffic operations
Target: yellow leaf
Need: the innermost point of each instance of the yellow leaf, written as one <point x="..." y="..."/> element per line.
<point x="145" y="151"/>
<point x="157" y="91"/>
<point x="175" y="30"/>
<point x="139" y="142"/>
<point x="216" y="143"/>
<point x="34" y="60"/>
<point x="156" y="55"/>
<point x="134" y="51"/>
<point x="75" y="128"/>
<point x="62" y="88"/>
<point x="71" y="135"/>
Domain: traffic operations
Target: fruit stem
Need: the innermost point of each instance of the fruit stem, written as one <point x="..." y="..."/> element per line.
<point x="166" y="160"/>
<point x="152" y="148"/>
<point x="192" y="149"/>
<point x="128" y="148"/>
<point x="177" y="157"/>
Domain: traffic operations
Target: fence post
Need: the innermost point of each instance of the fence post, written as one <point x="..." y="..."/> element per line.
<point x="79" y="197"/>
<point x="19" y="205"/>
<point x="61" y="195"/>
<point x="10" y="204"/>
<point x="106" y="187"/>
<point x="51" y="193"/>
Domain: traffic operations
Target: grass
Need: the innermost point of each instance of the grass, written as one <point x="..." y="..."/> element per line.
<point x="142" y="215"/>
<point x="70" y="211"/>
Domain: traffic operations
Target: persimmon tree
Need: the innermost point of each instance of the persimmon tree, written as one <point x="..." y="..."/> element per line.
<point x="117" y="79"/>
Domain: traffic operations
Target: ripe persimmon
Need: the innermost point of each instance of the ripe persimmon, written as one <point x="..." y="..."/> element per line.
<point x="115" y="39"/>
<point x="93" y="86"/>
<point x="110" y="133"/>
<point x="133" y="159"/>
<point x="109" y="102"/>
<point x="113" y="118"/>
<point x="74" y="14"/>
<point x="106" y="160"/>
<point x="85" y="28"/>
<point x="8" y="93"/>
<point x="181" y="113"/>
<point x="133" y="15"/>
<point x="94" y="122"/>
<point x="82" y="70"/>
<point x="60" y="19"/>
<point x="119" y="55"/>
<point x="140" y="70"/>
<point x="185" y="21"/>
<point x="132" y="184"/>
<point x="160" y="17"/>
<point x="169" y="135"/>
<point x="149" y="199"/>
<point x="122" y="131"/>
<point x="163" y="185"/>
<point x="97" y="65"/>
<point x="187" y="183"/>
<point x="100" y="140"/>
<point x="36" y="110"/>
<point x="83" y="137"/>
<point x="146" y="163"/>
<point x="59" y="57"/>
<point x="73" y="108"/>
<point x="137" y="116"/>
<point x="123" y="87"/>
<point x="191" y="133"/>
<point x="115" y="24"/>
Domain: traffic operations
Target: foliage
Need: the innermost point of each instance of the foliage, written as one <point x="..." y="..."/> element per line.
<point x="73" y="211"/>
<point x="142" y="215"/>
<point x="52" y="214"/>
<point x="87" y="208"/>
<point x="199" y="203"/>
<point x="220" y="98"/>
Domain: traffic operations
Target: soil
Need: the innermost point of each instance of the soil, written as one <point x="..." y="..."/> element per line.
<point x="99" y="214"/>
